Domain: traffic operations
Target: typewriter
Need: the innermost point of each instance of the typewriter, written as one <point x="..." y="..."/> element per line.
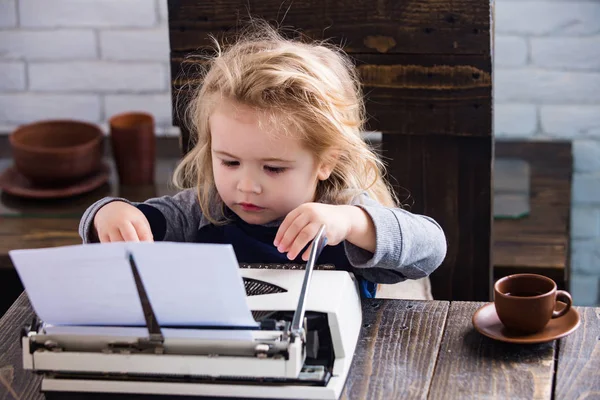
<point x="305" y="326"/>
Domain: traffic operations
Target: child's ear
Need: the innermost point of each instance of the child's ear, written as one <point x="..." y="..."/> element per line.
<point x="330" y="159"/>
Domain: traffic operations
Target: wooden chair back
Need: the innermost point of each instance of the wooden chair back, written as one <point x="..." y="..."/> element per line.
<point x="426" y="68"/>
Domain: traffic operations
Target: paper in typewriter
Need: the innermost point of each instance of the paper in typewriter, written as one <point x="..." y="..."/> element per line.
<point x="191" y="285"/>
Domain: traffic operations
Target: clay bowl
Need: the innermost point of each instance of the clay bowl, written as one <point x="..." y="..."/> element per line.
<point x="57" y="153"/>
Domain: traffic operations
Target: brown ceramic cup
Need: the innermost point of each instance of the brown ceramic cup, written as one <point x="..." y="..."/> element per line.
<point x="133" y="144"/>
<point x="527" y="302"/>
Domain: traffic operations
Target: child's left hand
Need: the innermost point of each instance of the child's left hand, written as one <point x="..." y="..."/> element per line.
<point x="301" y="225"/>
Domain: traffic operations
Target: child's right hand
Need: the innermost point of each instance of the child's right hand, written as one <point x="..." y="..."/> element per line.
<point x="118" y="221"/>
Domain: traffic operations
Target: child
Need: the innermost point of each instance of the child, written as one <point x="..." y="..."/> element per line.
<point x="278" y="153"/>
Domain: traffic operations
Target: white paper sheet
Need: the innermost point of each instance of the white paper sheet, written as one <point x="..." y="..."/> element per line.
<point x="187" y="284"/>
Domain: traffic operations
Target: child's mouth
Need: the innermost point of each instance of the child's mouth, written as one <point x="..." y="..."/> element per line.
<point x="250" y="207"/>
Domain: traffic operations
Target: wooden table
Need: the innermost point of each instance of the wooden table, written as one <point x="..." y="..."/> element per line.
<point x="412" y="350"/>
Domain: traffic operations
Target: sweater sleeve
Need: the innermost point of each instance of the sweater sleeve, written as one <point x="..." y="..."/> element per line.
<point x="172" y="218"/>
<point x="408" y="246"/>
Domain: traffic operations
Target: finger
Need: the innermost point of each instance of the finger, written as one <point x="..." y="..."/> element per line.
<point x="115" y="236"/>
<point x="304" y="237"/>
<point x="104" y="238"/>
<point x="144" y="232"/>
<point x="128" y="232"/>
<point x="307" y="252"/>
<point x="292" y="231"/>
<point x="287" y="221"/>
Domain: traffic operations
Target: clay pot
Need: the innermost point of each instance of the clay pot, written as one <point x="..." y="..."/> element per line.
<point x="56" y="153"/>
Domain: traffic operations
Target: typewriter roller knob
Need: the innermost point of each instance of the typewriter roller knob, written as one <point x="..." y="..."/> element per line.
<point x="52" y="345"/>
<point x="261" y="350"/>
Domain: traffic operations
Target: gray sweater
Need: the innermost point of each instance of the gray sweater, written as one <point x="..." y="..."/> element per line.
<point x="409" y="246"/>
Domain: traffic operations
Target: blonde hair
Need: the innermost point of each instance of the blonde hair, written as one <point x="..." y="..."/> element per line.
<point x="310" y="88"/>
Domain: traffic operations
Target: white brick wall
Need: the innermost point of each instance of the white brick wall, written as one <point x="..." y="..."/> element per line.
<point x="97" y="76"/>
<point x="574" y="53"/>
<point x="515" y="119"/>
<point x="135" y="45"/>
<point x="13" y="76"/>
<point x="85" y="60"/>
<point x="8" y="13"/>
<point x="571" y="121"/>
<point x="92" y="59"/>
<point x="87" y="14"/>
<point x="552" y="18"/>
<point x="158" y="105"/>
<point x="510" y="51"/>
<point x="547" y="86"/>
<point x="36" y="45"/>
<point x="16" y="108"/>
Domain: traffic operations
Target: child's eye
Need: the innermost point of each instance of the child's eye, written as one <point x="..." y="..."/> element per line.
<point x="275" y="170"/>
<point x="230" y="163"/>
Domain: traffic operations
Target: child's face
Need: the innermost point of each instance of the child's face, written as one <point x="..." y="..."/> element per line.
<point x="260" y="176"/>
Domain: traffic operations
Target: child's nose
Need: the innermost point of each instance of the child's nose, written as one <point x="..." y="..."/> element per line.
<point x="247" y="184"/>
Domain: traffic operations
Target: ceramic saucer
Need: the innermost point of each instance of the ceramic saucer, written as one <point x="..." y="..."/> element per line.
<point x="12" y="182"/>
<point x="486" y="321"/>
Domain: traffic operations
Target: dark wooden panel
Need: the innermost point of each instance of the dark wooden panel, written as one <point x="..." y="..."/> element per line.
<point x="428" y="94"/>
<point x="449" y="179"/>
<point x="578" y="371"/>
<point x="385" y="26"/>
<point x="472" y="366"/>
<point x="392" y="361"/>
<point x="416" y="94"/>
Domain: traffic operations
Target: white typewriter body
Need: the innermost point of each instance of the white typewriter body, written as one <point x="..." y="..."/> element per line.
<point x="280" y="360"/>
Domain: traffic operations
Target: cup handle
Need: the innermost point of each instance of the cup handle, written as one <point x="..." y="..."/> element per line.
<point x="565" y="297"/>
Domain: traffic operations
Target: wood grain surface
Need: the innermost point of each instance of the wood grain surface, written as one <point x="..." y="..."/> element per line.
<point x="392" y="361"/>
<point x="361" y="26"/>
<point x="442" y="177"/>
<point x="16" y="383"/>
<point x="578" y="371"/>
<point x="472" y="366"/>
<point x="410" y="349"/>
<point x="404" y="94"/>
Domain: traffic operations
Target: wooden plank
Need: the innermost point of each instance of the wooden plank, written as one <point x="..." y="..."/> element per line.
<point x="16" y="383"/>
<point x="416" y="94"/>
<point x="446" y="178"/>
<point x="525" y="254"/>
<point x="578" y="371"/>
<point x="392" y="359"/>
<point x="542" y="239"/>
<point x="472" y="366"/>
<point x="406" y="26"/>
<point x="428" y="94"/>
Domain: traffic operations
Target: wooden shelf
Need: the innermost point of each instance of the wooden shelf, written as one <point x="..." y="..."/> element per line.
<point x="539" y="242"/>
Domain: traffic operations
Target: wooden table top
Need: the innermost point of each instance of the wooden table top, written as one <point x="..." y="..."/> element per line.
<point x="412" y="349"/>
